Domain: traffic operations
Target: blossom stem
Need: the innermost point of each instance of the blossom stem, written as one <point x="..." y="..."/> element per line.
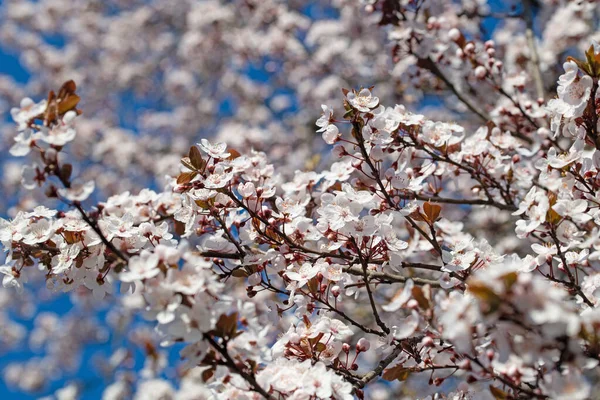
<point x="369" y="376"/>
<point x="574" y="284"/>
<point x="365" y="266"/>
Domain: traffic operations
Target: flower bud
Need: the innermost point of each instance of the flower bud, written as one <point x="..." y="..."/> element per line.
<point x="336" y="291"/>
<point x="480" y="72"/>
<point x="363" y="345"/>
<point x="454" y="35"/>
<point x="465" y="364"/>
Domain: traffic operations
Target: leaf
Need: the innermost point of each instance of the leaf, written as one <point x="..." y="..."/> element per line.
<point x="240" y="273"/>
<point x="498" y="394"/>
<point x="591" y="60"/>
<point x="509" y="279"/>
<point x="186" y="162"/>
<point x="208" y="373"/>
<point x="313" y="285"/>
<point x="396" y="373"/>
<point x="485" y="294"/>
<point x="552" y="216"/>
<point x="179" y="227"/>
<point x="186" y="177"/>
<point x="203" y="204"/>
<point x="420" y="296"/>
<point x="227" y="325"/>
<point x="65" y="172"/>
<point x="233" y="154"/>
<point x="195" y="158"/>
<point x="581" y="64"/>
<point x="66" y="98"/>
<point x="272" y="234"/>
<point x="70" y="237"/>
<point x="432" y="211"/>
<point x="312" y="162"/>
<point x="68" y="104"/>
<point x="67" y="88"/>
<point x="319" y="347"/>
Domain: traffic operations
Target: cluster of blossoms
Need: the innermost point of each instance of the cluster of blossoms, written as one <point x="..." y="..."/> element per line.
<point x="307" y="251"/>
<point x="451" y="257"/>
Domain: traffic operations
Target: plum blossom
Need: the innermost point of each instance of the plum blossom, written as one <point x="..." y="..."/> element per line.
<point x="144" y="266"/>
<point x="363" y="101"/>
<point x="12" y="278"/>
<point x="27" y="110"/>
<point x="215" y="150"/>
<point x="329" y="131"/>
<point x="65" y="260"/>
<point x="305" y="273"/>
<point x="573" y="89"/>
<point x="575" y="209"/>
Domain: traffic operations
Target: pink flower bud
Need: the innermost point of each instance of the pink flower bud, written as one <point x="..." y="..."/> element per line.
<point x="465" y="364"/>
<point x="427" y="341"/>
<point x="336" y="291"/>
<point x="363" y="345"/>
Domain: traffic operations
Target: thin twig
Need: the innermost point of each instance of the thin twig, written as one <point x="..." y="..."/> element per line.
<point x="369" y="376"/>
<point x="254" y="386"/>
<point x="365" y="266"/>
